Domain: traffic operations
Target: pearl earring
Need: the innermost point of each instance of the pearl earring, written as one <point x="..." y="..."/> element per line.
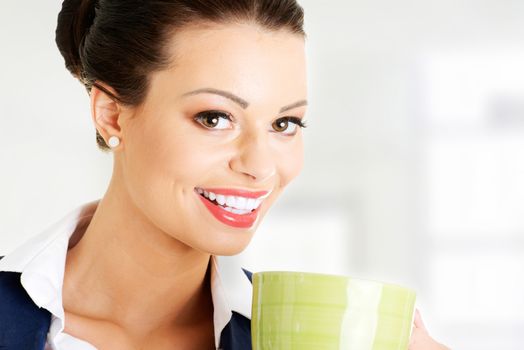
<point x="114" y="141"/>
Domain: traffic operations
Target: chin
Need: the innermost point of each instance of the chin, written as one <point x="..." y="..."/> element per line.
<point x="228" y="247"/>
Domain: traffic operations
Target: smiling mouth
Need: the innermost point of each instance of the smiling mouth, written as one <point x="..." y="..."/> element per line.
<point x="214" y="201"/>
<point x="235" y="211"/>
<point x="239" y="205"/>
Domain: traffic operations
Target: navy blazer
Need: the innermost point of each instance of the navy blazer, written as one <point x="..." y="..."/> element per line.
<point x="23" y="325"/>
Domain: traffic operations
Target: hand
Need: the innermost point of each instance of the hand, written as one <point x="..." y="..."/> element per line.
<point x="420" y="339"/>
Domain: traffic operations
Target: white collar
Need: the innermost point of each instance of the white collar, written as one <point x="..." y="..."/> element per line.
<point x="41" y="260"/>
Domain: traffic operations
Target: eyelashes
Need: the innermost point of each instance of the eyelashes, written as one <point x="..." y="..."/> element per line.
<point x="218" y="120"/>
<point x="295" y="120"/>
<point x="211" y="119"/>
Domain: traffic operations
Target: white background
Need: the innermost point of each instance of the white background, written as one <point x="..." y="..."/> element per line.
<point x="414" y="154"/>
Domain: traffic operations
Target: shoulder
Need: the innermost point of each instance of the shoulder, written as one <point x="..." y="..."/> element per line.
<point x="24" y="324"/>
<point x="236" y="335"/>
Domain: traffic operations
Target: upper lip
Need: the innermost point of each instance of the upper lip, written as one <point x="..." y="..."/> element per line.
<point x="237" y="192"/>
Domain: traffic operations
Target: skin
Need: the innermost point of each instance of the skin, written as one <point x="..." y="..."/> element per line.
<point x="420" y="338"/>
<point x="138" y="276"/>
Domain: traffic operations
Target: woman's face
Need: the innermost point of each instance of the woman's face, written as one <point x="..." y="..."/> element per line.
<point x="215" y="121"/>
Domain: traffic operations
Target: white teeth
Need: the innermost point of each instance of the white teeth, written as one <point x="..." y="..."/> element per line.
<point x="221" y="199"/>
<point x="231" y="201"/>
<point x="251" y="203"/>
<point x="236" y="211"/>
<point x="241" y="211"/>
<point x="234" y="202"/>
<point x="241" y="203"/>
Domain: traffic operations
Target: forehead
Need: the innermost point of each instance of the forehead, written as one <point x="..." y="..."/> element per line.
<point x="255" y="63"/>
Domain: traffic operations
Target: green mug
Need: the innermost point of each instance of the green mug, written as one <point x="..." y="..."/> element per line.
<point x="311" y="311"/>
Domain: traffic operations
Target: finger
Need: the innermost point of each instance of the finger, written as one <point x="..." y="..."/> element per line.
<point x="418" y="321"/>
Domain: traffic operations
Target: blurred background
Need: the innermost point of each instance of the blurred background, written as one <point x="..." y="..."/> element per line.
<point x="414" y="168"/>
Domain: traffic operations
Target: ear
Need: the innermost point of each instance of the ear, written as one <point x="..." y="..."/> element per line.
<point x="105" y="112"/>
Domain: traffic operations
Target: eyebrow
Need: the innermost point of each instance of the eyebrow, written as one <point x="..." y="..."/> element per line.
<point x="238" y="100"/>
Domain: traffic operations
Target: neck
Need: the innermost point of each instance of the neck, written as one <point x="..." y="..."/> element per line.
<point x="127" y="271"/>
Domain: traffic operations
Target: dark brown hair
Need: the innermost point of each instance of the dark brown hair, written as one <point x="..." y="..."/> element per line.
<point x="120" y="42"/>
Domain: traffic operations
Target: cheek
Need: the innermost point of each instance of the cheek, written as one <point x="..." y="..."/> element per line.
<point x="291" y="161"/>
<point x="168" y="152"/>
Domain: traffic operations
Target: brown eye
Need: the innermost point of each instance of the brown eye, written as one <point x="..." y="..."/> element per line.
<point x="214" y="120"/>
<point x="280" y="125"/>
<point x="288" y="125"/>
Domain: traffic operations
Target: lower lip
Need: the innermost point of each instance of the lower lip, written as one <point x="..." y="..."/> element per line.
<point x="228" y="218"/>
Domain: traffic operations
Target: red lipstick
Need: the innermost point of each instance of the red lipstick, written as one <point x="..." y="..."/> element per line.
<point x="239" y="193"/>
<point x="227" y="217"/>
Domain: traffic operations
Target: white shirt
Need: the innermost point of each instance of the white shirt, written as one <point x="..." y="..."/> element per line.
<point x="41" y="262"/>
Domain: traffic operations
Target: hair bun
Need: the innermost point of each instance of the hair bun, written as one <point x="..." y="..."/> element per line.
<point x="74" y="21"/>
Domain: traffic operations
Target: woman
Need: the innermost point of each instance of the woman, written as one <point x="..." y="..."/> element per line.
<point x="202" y="104"/>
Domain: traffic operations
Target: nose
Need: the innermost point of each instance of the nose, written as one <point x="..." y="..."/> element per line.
<point x="254" y="158"/>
